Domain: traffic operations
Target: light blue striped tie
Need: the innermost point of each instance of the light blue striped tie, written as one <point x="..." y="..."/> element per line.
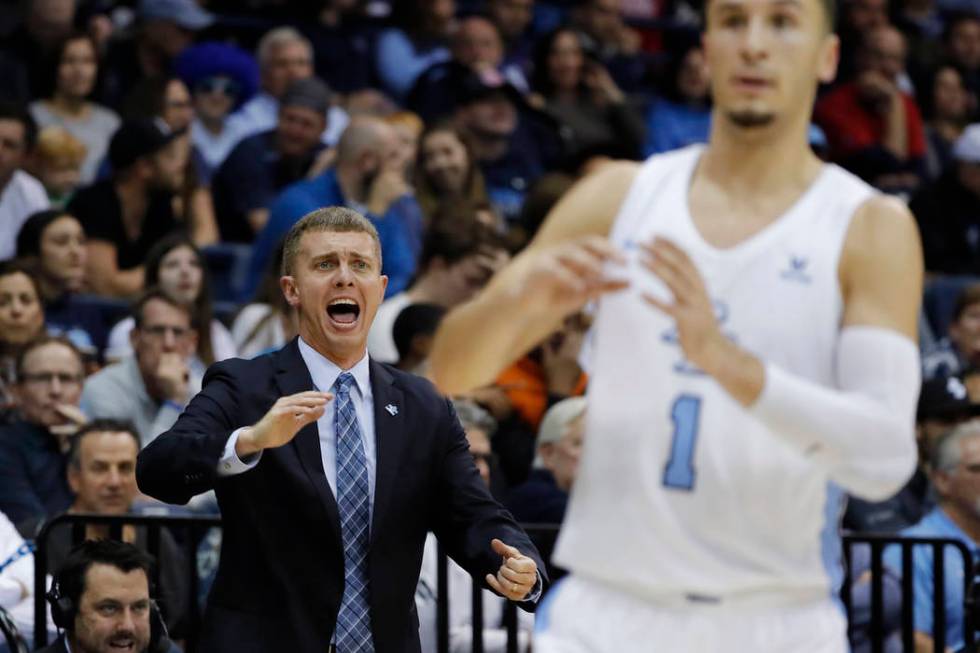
<point x="354" y="620"/>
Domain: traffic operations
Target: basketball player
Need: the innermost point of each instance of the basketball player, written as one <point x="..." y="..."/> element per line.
<point x="754" y="358"/>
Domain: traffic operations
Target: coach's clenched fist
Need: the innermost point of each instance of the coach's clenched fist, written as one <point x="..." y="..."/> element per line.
<point x="283" y="421"/>
<point x="517" y="575"/>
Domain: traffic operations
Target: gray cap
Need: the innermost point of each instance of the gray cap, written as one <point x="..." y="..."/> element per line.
<point x="185" y="13"/>
<point x="310" y="93"/>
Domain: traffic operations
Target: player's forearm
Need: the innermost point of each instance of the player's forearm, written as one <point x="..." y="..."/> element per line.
<point x="479" y="339"/>
<point x="862" y="432"/>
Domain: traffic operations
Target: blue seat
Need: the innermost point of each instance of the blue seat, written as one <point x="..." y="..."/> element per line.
<point x="227" y="265"/>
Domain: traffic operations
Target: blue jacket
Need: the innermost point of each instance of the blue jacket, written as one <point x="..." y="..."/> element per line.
<point x="400" y="229"/>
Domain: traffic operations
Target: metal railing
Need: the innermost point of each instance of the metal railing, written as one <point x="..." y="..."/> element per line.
<point x="194" y="528"/>
<point x="908" y="545"/>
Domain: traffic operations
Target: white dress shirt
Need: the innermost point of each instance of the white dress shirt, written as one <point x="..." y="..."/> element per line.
<point x="324" y="373"/>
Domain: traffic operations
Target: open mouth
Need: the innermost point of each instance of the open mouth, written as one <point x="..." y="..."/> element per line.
<point x="122" y="644"/>
<point x="343" y="313"/>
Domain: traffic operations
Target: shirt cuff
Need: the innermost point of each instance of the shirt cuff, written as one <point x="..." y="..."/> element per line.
<point x="535" y="592"/>
<point x="230" y="464"/>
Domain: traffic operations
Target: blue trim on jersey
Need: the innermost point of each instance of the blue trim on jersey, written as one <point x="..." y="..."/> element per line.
<point x="542" y="616"/>
<point x="830" y="541"/>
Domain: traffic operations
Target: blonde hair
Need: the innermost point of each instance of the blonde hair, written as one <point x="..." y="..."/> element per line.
<point x="406" y="119"/>
<point x="56" y="145"/>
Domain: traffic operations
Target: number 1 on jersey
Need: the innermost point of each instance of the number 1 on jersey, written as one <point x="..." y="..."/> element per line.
<point x="679" y="470"/>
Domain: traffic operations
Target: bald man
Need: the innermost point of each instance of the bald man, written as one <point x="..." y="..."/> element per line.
<point x="368" y="177"/>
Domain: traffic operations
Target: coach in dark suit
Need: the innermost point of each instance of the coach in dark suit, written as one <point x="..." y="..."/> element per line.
<point x="330" y="469"/>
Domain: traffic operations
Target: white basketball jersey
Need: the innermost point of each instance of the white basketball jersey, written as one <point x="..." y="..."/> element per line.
<point x="682" y="496"/>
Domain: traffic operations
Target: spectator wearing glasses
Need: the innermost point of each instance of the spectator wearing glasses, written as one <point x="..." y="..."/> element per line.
<point x="151" y="387"/>
<point x="955" y="474"/>
<point x="221" y="78"/>
<point x="543" y="498"/>
<point x="178" y="268"/>
<point x="33" y="459"/>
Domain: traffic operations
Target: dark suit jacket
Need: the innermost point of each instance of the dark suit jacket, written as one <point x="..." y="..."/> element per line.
<point x="281" y="575"/>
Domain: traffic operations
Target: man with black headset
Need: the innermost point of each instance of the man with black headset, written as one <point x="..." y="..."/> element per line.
<point x="100" y="599"/>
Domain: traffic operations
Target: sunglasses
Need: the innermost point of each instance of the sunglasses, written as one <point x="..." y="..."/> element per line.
<point x="219" y="85"/>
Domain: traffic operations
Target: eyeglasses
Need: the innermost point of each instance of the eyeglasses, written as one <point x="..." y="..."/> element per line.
<point x="47" y="378"/>
<point x="160" y="331"/>
<point x="224" y="85"/>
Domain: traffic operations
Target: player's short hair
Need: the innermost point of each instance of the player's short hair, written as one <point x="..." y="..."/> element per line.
<point x="969" y="296"/>
<point x="338" y="219"/>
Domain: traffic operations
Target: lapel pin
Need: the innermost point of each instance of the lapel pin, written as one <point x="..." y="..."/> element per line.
<point x="392" y="409"/>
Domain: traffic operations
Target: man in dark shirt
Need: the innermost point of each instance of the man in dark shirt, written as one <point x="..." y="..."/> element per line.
<point x="125" y="215"/>
<point x="262" y="165"/>
<point x="32" y="451"/>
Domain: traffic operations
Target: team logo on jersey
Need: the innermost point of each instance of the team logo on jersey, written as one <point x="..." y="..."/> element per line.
<point x="684" y="366"/>
<point x="797" y="270"/>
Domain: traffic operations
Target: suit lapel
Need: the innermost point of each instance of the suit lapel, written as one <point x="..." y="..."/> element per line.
<point x="391" y="435"/>
<point x="292" y="377"/>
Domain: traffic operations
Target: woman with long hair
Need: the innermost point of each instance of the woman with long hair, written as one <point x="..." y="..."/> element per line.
<point x="72" y="82"/>
<point x="176" y="265"/>
<point x="445" y="171"/>
<point x="575" y="89"/>
<point x="53" y="241"/>
<point x="21" y="320"/>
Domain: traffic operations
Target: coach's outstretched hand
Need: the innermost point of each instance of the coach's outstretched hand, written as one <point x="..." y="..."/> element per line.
<point x="283" y="421"/>
<point x="517" y="574"/>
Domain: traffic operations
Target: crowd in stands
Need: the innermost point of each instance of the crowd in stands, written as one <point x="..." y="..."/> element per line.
<point x="153" y="154"/>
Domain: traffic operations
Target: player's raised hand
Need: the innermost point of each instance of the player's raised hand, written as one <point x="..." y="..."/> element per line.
<point x="697" y="326"/>
<point x="517" y="574"/>
<point x="564" y="277"/>
<point x="283" y="421"/>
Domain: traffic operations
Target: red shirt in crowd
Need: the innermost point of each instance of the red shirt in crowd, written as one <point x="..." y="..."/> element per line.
<point x="852" y="126"/>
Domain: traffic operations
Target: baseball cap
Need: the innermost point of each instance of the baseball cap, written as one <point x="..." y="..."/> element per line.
<point x="135" y="139"/>
<point x="967" y="146"/>
<point x="310" y="93"/>
<point x="945" y="398"/>
<point x="185" y="13"/>
<point x="478" y="85"/>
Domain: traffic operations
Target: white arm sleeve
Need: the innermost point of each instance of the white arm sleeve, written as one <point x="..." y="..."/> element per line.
<point x="863" y="431"/>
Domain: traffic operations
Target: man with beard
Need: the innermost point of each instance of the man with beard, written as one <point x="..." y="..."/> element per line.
<point x="124" y="215"/>
<point x="753" y="357"/>
<point x="101" y="600"/>
<point x="368" y="177"/>
<point x="263" y="164"/>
